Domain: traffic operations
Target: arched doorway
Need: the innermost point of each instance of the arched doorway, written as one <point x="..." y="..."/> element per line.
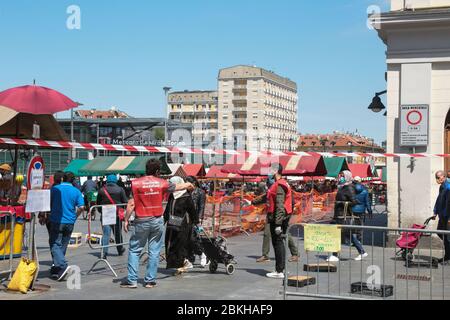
<point x="447" y="141"/>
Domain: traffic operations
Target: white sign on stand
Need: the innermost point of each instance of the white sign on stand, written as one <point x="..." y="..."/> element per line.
<point x="38" y="201"/>
<point x="109" y="215"/>
<point x="414" y="125"/>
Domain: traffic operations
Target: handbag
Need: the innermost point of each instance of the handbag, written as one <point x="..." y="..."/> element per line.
<point x="120" y="211"/>
<point x="175" y="221"/>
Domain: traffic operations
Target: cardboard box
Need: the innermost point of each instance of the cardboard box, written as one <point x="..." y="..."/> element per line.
<point x="320" y="267"/>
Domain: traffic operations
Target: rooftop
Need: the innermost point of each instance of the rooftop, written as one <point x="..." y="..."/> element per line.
<point x="336" y="139"/>
<point x="245" y="71"/>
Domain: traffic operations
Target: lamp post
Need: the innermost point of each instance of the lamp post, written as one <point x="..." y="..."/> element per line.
<point x="166" y="92"/>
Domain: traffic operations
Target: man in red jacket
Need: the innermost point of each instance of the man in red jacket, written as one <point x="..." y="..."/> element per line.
<point x="279" y="197"/>
<point x="149" y="193"/>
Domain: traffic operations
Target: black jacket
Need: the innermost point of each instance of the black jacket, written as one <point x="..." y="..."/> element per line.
<point x="345" y="194"/>
<point x="117" y="194"/>
<point x="199" y="199"/>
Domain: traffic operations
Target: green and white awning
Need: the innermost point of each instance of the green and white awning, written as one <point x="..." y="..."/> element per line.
<point x="121" y="165"/>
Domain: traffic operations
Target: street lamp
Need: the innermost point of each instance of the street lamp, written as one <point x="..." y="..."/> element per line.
<point x="376" y="105"/>
<point x="166" y="92"/>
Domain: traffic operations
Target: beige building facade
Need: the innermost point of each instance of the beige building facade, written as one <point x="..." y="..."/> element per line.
<point x="417" y="36"/>
<point x="257" y="109"/>
<point x="198" y="108"/>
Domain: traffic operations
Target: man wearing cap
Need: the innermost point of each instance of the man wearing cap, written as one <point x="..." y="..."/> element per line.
<point x="111" y="193"/>
<point x="6" y="180"/>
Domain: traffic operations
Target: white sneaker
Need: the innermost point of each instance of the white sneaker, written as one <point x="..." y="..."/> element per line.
<point x="188" y="265"/>
<point x="361" y="256"/>
<point x="332" y="259"/>
<point x="203" y="260"/>
<point x="275" y="275"/>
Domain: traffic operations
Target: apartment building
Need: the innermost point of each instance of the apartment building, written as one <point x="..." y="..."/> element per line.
<point x="198" y="108"/>
<point x="253" y="109"/>
<point x="257" y="109"/>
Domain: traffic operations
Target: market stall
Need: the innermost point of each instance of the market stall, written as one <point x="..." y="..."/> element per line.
<point x="26" y="112"/>
<point x="75" y="165"/>
<point x="127" y="165"/>
<point x="335" y="166"/>
<point x="362" y="170"/>
<point x="194" y="170"/>
<point x="254" y="165"/>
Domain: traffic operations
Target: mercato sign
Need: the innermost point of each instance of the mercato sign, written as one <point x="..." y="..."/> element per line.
<point x="157" y="143"/>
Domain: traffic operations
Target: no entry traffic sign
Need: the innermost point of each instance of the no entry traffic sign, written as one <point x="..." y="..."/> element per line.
<point x="414" y="125"/>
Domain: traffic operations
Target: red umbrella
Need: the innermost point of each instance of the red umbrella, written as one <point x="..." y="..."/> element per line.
<point x="35" y="100"/>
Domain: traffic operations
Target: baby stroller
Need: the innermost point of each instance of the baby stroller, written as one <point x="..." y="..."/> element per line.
<point x="408" y="241"/>
<point x="216" y="251"/>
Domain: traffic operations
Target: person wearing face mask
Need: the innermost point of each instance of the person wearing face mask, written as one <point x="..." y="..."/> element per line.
<point x="279" y="210"/>
<point x="261" y="197"/>
<point x="345" y="200"/>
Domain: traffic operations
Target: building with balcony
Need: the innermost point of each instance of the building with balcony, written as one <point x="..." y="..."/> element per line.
<point x="257" y="109"/>
<point x="198" y="109"/>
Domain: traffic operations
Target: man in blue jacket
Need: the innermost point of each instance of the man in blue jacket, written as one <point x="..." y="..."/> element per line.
<point x="441" y="209"/>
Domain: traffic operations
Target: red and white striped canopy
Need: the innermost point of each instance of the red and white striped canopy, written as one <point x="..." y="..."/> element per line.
<point x="261" y="165"/>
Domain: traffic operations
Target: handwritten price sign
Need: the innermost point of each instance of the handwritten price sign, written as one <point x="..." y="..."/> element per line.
<point x="322" y="238"/>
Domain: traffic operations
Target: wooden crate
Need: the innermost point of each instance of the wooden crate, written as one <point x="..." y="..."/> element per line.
<point x="320" y="267"/>
<point x="301" y="281"/>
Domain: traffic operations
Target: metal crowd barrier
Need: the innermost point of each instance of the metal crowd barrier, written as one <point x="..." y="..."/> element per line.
<point x="7" y="221"/>
<point x="100" y="246"/>
<point x="388" y="273"/>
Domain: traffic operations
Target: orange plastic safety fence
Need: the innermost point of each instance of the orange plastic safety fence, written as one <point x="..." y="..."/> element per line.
<point x="230" y="215"/>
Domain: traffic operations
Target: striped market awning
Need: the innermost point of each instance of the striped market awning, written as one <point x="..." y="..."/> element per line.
<point x="102" y="166"/>
<point x="215" y="172"/>
<point x="257" y="165"/>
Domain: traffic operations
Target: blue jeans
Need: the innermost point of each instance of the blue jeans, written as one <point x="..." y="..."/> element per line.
<point x="150" y="231"/>
<point x="59" y="240"/>
<point x="357" y="244"/>
<point x="117" y="230"/>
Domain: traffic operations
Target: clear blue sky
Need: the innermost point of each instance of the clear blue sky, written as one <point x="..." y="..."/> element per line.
<point x="126" y="51"/>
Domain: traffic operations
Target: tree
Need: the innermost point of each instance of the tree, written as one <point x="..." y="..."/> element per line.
<point x="159" y="134"/>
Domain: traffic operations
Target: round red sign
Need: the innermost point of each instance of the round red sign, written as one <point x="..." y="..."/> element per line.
<point x="414" y="117"/>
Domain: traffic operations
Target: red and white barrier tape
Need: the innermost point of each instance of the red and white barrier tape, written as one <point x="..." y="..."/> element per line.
<point x="151" y="149"/>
